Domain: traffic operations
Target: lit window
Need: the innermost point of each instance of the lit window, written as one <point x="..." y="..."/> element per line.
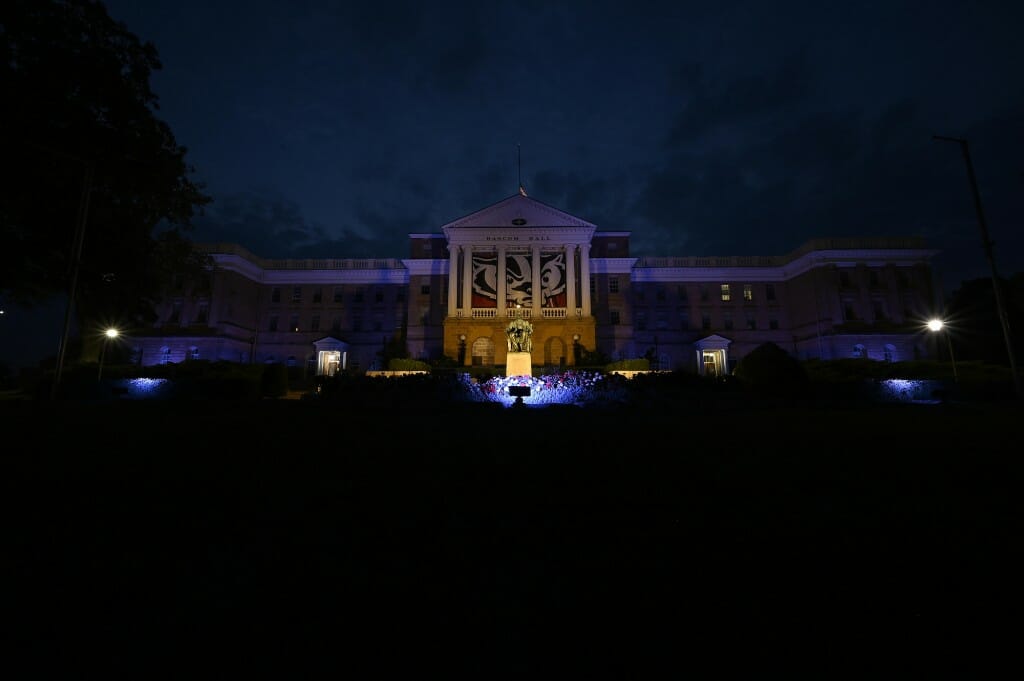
<point x="726" y="295"/>
<point x="748" y="292"/>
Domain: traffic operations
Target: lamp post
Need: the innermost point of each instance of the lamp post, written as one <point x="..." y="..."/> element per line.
<point x="108" y="335"/>
<point x="986" y="243"/>
<point x="936" y="325"/>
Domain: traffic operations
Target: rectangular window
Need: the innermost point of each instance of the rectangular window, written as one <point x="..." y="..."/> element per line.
<point x="703" y="293"/>
<point x="662" y="322"/>
<point x="613" y="316"/>
<point x="400" y="295"/>
<point x="659" y="294"/>
<point x="613" y="285"/>
<point x="358" y="297"/>
<point x="275" y="295"/>
<point x="705" y="320"/>
<point x="849" y="312"/>
<point x="641" y="321"/>
<point x="314" y="323"/>
<point x="296" y="294"/>
<point x="293" y="322"/>
<point x="272" y="323"/>
<point x="684" y="320"/>
<point x="873" y="278"/>
<point x="318" y="294"/>
<point x="769" y="291"/>
<point x="336" y="324"/>
<point x="844" y="278"/>
<point x="178" y="282"/>
<point x="339" y="294"/>
<point x="727" y="320"/>
<point x="378" y="296"/>
<point x="425" y="290"/>
<point x="748" y="292"/>
<point x="878" y="307"/>
<point x="357" y="322"/>
<point x="726" y="295"/>
<point x="773" y="324"/>
<point x="639" y="295"/>
<point x="175" y="312"/>
<point x="203" y="314"/>
<point x="682" y="294"/>
<point x="751" y="321"/>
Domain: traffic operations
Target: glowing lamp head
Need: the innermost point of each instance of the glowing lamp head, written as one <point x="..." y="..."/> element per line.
<point x="112" y="333"/>
<point x="935" y="324"/>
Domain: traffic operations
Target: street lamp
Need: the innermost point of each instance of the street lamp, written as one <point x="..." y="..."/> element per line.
<point x="108" y="335"/>
<point x="986" y="243"/>
<point x="936" y="325"/>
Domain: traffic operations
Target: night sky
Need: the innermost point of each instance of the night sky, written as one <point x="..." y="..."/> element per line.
<point x="334" y="129"/>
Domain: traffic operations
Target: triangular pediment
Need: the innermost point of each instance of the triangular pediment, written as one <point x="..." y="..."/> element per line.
<point x="330" y="343"/>
<point x="712" y="342"/>
<point x="519" y="211"/>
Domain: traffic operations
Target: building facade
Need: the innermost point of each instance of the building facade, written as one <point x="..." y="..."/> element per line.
<point x="580" y="288"/>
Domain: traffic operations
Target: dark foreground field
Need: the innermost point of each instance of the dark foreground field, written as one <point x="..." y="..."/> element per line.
<point x="220" y="539"/>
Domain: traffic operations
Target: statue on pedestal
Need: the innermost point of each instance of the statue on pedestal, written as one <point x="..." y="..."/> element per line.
<point x="520" y="335"/>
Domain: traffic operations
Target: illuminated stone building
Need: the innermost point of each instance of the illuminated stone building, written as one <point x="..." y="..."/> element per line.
<point x="580" y="287"/>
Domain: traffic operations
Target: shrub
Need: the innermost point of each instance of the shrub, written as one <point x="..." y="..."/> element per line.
<point x="769" y="368"/>
<point x="274" y="382"/>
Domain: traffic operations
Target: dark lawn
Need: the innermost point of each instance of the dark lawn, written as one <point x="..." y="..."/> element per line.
<point x="504" y="543"/>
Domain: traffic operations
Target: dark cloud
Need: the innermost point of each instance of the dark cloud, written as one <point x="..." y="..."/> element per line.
<point x="746" y="98"/>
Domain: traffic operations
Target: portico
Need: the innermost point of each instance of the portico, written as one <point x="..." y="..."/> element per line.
<point x="518" y="259"/>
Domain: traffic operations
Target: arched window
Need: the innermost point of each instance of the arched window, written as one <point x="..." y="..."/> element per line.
<point x="858" y="351"/>
<point x="890" y="353"/>
<point x="193" y="352"/>
<point x="165" y="355"/>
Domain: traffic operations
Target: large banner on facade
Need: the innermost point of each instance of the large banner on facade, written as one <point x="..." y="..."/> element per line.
<point x="519" y="280"/>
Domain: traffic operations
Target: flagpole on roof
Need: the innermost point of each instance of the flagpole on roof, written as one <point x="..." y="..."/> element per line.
<point x="519" y="161"/>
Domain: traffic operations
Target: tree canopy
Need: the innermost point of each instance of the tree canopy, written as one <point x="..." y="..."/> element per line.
<point x="82" y="144"/>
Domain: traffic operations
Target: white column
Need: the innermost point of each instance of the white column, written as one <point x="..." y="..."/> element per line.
<point x="502" y="283"/>
<point x="585" y="278"/>
<point x="535" y="270"/>
<point x="467" y="281"/>
<point x="570" y="279"/>
<point x="453" y="280"/>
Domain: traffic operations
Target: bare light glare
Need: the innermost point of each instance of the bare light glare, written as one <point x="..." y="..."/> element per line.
<point x="935" y="324"/>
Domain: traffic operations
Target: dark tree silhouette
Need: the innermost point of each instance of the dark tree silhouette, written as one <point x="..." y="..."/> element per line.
<point x="80" y="138"/>
<point x="973" y="318"/>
